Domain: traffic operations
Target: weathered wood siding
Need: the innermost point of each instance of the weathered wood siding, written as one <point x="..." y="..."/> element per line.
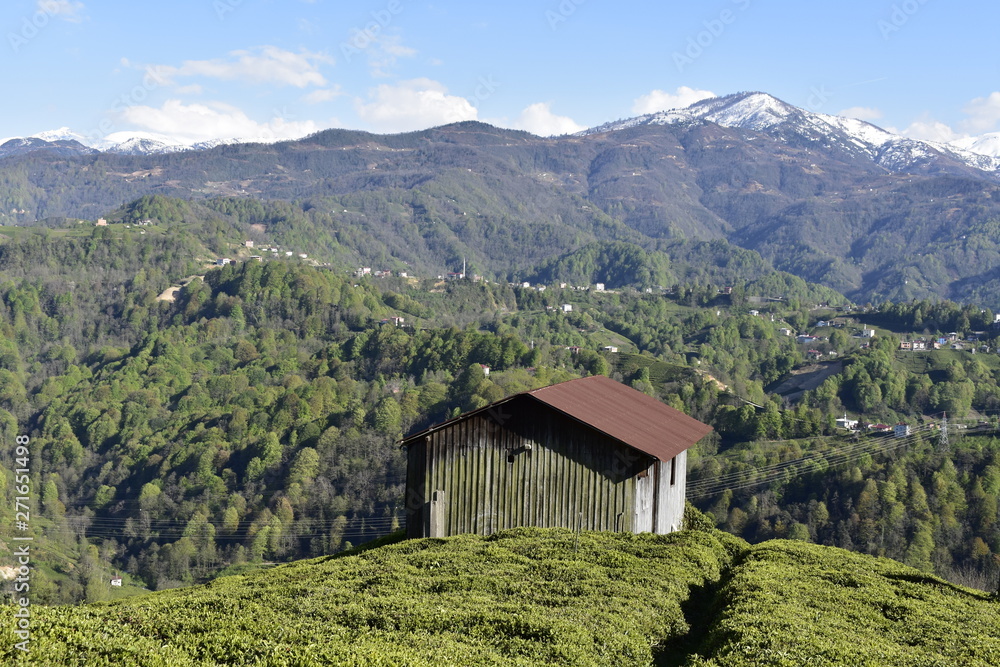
<point x="524" y="465"/>
<point x="672" y="493"/>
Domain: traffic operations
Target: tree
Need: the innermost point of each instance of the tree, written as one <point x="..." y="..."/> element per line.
<point x="304" y="468"/>
<point x="387" y="416"/>
<point x="839" y="340"/>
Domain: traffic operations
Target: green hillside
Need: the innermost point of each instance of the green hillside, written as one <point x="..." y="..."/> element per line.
<point x="513" y="204"/>
<point x="530" y="597"/>
<point x="253" y="415"/>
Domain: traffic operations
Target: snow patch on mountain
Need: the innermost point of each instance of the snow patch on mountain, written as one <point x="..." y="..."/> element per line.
<point x="760" y="112"/>
<point x="987" y="144"/>
<point x="122" y="143"/>
<point x="62" y="134"/>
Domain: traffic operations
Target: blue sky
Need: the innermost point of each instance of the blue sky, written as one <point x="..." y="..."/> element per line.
<point x="201" y="69"/>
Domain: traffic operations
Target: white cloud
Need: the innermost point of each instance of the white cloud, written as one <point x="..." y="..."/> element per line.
<point x="191" y="123"/>
<point x="268" y="64"/>
<point x="861" y="113"/>
<point x="984" y="113"/>
<point x="414" y="105"/>
<point x="382" y="48"/>
<point x="928" y="129"/>
<point x="383" y="53"/>
<point x="661" y="100"/>
<point x="68" y="10"/>
<point x="393" y="45"/>
<point x="539" y="119"/>
<point x="323" y="95"/>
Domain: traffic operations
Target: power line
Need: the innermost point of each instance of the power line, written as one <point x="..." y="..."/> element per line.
<point x="721" y="480"/>
<point x="796" y="467"/>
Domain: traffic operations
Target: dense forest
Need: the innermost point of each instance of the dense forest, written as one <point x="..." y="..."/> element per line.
<point x="188" y="419"/>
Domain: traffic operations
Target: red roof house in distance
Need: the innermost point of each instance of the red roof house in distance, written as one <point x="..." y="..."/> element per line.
<point x="590" y="454"/>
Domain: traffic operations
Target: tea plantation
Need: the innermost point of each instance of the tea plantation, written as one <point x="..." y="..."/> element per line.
<point x="534" y="597"/>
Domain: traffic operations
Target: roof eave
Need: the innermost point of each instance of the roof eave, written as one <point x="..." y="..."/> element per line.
<point x="405" y="442"/>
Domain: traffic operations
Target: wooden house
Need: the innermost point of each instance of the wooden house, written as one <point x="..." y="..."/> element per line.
<point x="589" y="454"/>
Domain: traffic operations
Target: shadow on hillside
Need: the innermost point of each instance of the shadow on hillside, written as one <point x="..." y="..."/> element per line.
<point x="699" y="610"/>
<point x="933" y="580"/>
<point x="391" y="538"/>
<point x="702" y="610"/>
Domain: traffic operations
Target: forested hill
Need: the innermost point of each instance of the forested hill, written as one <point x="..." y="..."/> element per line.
<point x="530" y="597"/>
<point x="188" y="419"/>
<point x="508" y="201"/>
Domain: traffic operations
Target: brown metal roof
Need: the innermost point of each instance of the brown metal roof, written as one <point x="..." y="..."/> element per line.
<point x="627" y="415"/>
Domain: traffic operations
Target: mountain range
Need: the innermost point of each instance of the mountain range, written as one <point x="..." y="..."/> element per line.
<point x="753" y="111"/>
<point x="760" y="112"/>
<point x="123" y="143"/>
<point x="833" y="200"/>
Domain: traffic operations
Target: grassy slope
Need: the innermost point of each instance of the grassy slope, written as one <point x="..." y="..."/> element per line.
<point x="530" y="597"/>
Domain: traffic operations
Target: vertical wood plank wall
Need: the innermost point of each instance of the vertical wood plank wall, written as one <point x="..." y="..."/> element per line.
<point x="535" y="468"/>
<point x="670" y="499"/>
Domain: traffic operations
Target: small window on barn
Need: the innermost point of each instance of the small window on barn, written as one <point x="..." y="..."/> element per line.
<point x="673" y="471"/>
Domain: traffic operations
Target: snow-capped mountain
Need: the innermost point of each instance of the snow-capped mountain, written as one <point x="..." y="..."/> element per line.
<point x="67" y="142"/>
<point x="754" y="111"/>
<point x="138" y="143"/>
<point x="987" y="144"/>
<point x="143" y="146"/>
<point x="62" y="134"/>
<point x="760" y="112"/>
<point x="24" y="145"/>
